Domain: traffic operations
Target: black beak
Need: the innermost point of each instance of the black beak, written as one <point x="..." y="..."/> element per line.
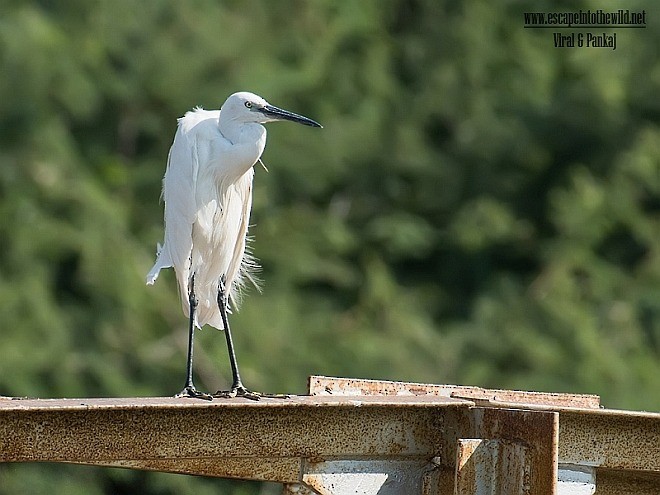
<point x="276" y="113"/>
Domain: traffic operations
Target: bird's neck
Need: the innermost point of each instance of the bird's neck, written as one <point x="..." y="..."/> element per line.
<point x="239" y="132"/>
<point x="247" y="144"/>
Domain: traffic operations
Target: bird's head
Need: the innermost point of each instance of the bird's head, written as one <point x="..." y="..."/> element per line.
<point x="248" y="108"/>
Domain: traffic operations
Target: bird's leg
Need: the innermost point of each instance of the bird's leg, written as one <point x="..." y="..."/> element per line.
<point x="189" y="389"/>
<point x="237" y="387"/>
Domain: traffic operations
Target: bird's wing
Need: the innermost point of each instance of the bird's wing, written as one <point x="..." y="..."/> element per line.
<point x="179" y="190"/>
<point x="243" y="265"/>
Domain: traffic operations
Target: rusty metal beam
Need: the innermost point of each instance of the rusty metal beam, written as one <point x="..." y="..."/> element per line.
<point x="323" y="385"/>
<point x="275" y="469"/>
<point x="492" y="466"/>
<point x="610" y="439"/>
<point x="107" y="430"/>
<point x="512" y="449"/>
<point x="588" y="434"/>
<point x="618" y="448"/>
<point x="385" y="437"/>
<point x="623" y="482"/>
<point x="313" y="440"/>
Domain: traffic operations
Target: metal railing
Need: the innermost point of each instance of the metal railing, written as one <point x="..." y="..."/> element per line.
<point x="357" y="437"/>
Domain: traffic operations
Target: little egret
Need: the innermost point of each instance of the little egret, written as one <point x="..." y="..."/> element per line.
<point x="207" y="191"/>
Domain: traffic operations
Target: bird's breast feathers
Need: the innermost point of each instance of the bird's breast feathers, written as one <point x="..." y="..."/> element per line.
<point x="220" y="158"/>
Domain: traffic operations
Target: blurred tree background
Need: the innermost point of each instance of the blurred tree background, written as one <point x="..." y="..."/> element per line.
<point x="481" y="208"/>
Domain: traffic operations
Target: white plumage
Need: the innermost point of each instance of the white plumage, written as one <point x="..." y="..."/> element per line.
<point x="207" y="191"/>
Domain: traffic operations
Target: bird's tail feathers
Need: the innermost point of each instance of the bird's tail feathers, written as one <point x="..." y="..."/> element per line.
<point x="162" y="261"/>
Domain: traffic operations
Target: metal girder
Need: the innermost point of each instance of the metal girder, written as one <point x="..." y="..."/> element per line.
<point x="515" y="453"/>
<point x="323" y="385"/>
<point x="355" y="436"/>
<point x="158" y="429"/>
<point x="617" y="451"/>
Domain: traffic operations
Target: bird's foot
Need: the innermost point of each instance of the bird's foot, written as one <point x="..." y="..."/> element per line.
<point x="241" y="391"/>
<point x="192" y="392"/>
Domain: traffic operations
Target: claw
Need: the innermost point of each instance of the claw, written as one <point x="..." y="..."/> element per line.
<point x="193" y="393"/>
<point x="241" y="391"/>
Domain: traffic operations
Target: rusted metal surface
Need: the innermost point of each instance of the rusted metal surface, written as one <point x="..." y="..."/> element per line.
<point x="439" y="480"/>
<point x="526" y="438"/>
<point x="484" y="467"/>
<point x="187" y="435"/>
<point x="590" y="437"/>
<point x="322" y="385"/>
<point x="471" y="468"/>
<point x="275" y="469"/>
<point x="621" y="482"/>
<point x="610" y="439"/>
<point x="359" y="436"/>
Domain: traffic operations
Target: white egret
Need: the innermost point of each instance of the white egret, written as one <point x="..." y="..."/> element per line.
<point x="207" y="191"/>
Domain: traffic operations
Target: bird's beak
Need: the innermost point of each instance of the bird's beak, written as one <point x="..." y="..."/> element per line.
<point x="276" y="113"/>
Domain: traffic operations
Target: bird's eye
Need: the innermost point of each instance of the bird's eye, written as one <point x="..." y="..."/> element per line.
<point x="248" y="104"/>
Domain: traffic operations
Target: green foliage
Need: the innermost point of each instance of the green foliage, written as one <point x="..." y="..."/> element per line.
<point x="480" y="208"/>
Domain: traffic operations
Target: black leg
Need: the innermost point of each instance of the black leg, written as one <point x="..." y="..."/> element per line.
<point x="237" y="387"/>
<point x="189" y="389"/>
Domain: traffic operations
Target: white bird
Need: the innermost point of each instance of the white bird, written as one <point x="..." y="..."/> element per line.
<point x="207" y="191"/>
